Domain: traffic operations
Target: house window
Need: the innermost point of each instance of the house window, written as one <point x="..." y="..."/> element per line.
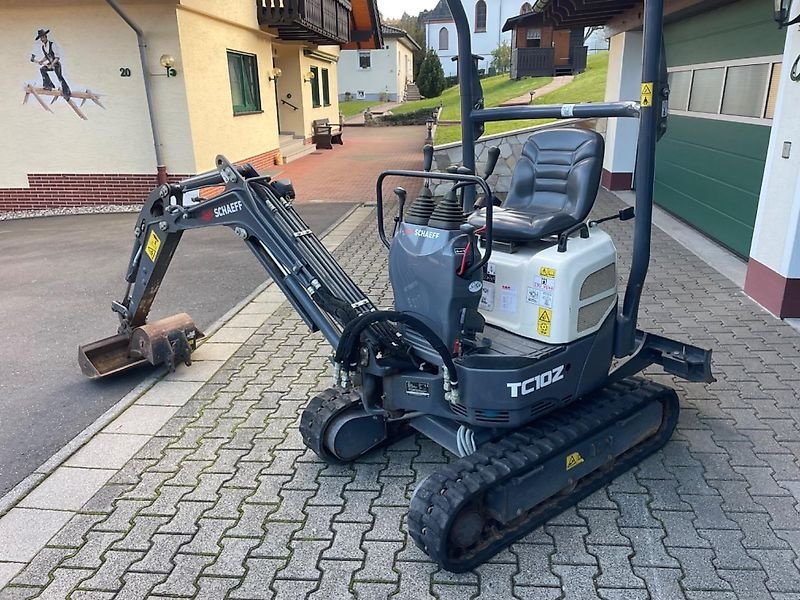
<point x="480" y="16"/>
<point x="444" y="39"/>
<point x="364" y="59"/>
<point x="745" y="89"/>
<point x="315" y="88"/>
<point x="326" y="90"/>
<point x="680" y="83"/>
<point x="706" y="90"/>
<point x="534" y="37"/>
<point x="742" y="90"/>
<point x="772" y="95"/>
<point x="243" y="72"/>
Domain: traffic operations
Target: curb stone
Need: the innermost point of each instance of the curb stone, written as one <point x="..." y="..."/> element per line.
<point x="125" y="427"/>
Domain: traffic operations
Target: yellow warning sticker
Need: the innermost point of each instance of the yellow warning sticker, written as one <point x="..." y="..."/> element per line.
<point x="153" y="245"/>
<point x="545" y="321"/>
<point x="647" y="95"/>
<point x="573" y="460"/>
<point x="547" y="272"/>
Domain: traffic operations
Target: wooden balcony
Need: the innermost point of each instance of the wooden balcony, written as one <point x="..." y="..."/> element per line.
<point x="314" y="21"/>
<point x="541" y="62"/>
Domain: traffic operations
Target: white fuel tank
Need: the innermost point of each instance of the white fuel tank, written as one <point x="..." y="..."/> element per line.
<point x="550" y="296"/>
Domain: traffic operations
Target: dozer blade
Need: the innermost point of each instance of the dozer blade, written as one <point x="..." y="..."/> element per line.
<point x="167" y="341"/>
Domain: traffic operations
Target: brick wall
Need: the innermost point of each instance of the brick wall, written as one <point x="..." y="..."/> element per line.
<point x="67" y="189"/>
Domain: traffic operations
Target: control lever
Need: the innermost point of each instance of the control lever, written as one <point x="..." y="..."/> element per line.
<point x="427" y="161"/>
<point x="626" y="214"/>
<point x="491" y="163"/>
<point x="494" y="156"/>
<point x="472" y="242"/>
<point x="401" y="198"/>
<point x="427" y="166"/>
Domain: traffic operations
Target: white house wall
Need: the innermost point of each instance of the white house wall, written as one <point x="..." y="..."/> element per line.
<point x="99" y="50"/>
<point x="483" y="43"/>
<point x="386" y="75"/>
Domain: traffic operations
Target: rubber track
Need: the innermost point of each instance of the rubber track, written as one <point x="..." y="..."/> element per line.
<point x="438" y="499"/>
<point x="317" y="416"/>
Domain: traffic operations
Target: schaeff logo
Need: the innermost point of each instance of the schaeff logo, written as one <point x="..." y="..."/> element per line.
<point x="228" y="209"/>
<point x="423" y="233"/>
<point x="523" y="388"/>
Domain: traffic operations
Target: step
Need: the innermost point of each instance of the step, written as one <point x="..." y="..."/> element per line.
<point x="296" y="149"/>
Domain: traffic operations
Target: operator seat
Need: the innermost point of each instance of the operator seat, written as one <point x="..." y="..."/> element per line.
<point x="553" y="187"/>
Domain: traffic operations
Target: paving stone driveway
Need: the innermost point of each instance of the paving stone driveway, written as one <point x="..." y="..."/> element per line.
<point x="225" y="502"/>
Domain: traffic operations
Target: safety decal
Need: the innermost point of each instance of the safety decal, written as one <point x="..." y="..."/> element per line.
<point x="545" y="321"/>
<point x="543" y="288"/>
<point x="489" y="279"/>
<point x="573" y="460"/>
<point x="508" y="298"/>
<point x="153" y="245"/>
<point x="647" y="95"/>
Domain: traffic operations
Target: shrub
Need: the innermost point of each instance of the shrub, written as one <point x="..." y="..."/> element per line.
<point x="431" y="81"/>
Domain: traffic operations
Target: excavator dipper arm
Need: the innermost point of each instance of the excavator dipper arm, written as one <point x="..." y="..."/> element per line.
<point x="260" y="212"/>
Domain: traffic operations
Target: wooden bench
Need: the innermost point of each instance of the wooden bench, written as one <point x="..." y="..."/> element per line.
<point x="326" y="134"/>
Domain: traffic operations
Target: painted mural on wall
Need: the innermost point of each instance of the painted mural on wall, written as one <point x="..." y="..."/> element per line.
<point x="52" y="83"/>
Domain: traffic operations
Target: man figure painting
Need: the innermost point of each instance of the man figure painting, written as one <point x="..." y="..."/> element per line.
<point x="50" y="61"/>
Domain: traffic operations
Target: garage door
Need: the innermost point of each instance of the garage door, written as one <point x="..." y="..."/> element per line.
<point x="724" y="70"/>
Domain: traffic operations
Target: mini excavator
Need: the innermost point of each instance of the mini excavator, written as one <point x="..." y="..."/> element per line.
<point x="507" y="344"/>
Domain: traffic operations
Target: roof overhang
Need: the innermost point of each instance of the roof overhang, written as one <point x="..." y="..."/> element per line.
<point x="616" y="15"/>
<point x="365" y="26"/>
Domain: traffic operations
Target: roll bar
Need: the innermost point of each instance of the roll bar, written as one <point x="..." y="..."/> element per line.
<point x="474" y="115"/>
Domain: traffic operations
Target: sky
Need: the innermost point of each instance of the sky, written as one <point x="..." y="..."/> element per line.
<point x="393" y="9"/>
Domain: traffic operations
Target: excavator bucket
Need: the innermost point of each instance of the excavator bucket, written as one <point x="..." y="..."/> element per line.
<point x="167" y="341"/>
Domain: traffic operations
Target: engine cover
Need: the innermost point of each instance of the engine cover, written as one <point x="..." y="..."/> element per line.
<point x="550" y="296"/>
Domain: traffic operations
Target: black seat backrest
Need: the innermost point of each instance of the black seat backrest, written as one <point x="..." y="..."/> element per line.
<point x="559" y="170"/>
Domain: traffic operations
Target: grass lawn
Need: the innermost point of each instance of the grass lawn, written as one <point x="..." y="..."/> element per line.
<point x="496" y="90"/>
<point x="354" y="107"/>
<point x="589" y="86"/>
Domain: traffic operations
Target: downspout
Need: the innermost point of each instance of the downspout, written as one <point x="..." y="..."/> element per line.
<point x="160" y="166"/>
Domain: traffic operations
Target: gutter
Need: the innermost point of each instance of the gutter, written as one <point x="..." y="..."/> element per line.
<point x="148" y="91"/>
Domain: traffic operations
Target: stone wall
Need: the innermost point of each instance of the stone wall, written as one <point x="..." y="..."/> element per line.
<point x="510" y="144"/>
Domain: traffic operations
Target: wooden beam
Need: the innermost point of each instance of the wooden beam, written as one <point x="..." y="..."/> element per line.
<point x="631" y="19"/>
<point x="31" y="91"/>
<point x="38" y="92"/>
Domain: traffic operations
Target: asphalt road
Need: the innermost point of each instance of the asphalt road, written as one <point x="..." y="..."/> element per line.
<point x="58" y="277"/>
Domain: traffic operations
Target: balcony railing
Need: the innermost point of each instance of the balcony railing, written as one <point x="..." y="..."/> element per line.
<point x="314" y="21"/>
<point x="540" y="62"/>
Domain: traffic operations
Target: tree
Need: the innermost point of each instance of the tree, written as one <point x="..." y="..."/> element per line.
<point x="501" y="58"/>
<point x="587" y="33"/>
<point x="431" y="81"/>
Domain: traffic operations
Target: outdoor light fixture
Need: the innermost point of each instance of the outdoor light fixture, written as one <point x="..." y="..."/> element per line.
<point x="275" y="73"/>
<point x="309" y="76"/>
<point x="782" y="13"/>
<point x="168" y="62"/>
<point x="532" y="94"/>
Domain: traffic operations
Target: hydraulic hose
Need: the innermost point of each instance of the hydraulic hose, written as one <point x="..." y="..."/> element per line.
<point x="352" y="332"/>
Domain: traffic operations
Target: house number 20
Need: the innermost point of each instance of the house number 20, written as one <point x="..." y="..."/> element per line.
<point x="124" y="72"/>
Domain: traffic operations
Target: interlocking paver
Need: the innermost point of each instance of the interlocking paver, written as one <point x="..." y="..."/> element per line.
<point x="226" y="501"/>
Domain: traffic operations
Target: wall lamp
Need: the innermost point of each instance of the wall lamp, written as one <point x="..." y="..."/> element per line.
<point x="168" y="62"/>
<point x="275" y="73"/>
<point x="308" y="77"/>
<point x="782" y="13"/>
